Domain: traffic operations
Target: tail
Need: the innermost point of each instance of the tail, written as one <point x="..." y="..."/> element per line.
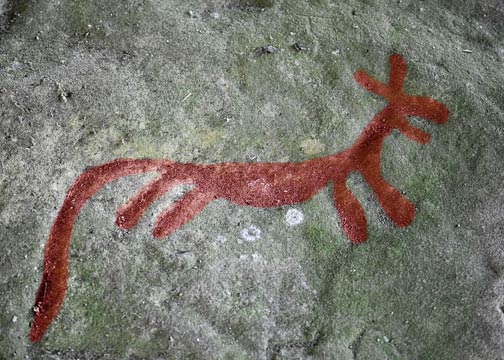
<point x="52" y="287"/>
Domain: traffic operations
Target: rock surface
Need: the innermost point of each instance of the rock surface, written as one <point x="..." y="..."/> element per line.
<point x="83" y="82"/>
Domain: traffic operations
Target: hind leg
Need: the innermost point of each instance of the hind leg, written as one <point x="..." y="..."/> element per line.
<point x="181" y="211"/>
<point x="128" y="213"/>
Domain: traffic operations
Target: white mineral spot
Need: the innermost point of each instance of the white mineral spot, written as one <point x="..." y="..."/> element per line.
<point x="294" y="217"/>
<point x="14" y="319"/>
<point x="221" y="239"/>
<point x="252" y="233"/>
<point x="256" y="257"/>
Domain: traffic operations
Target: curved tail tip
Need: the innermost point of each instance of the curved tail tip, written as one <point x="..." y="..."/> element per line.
<point x="35" y="333"/>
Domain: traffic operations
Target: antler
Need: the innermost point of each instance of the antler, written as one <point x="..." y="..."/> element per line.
<point x="401" y="104"/>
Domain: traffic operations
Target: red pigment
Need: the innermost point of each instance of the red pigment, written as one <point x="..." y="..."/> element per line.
<point x="264" y="184"/>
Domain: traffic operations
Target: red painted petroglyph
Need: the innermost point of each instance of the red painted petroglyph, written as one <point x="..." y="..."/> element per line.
<point x="255" y="184"/>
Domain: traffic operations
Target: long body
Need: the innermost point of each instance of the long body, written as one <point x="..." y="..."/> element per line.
<point x="260" y="184"/>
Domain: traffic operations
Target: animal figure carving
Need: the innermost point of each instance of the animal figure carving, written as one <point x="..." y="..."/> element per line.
<point x="260" y="184"/>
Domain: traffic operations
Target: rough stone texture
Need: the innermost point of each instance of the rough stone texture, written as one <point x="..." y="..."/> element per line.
<point x="83" y="82"/>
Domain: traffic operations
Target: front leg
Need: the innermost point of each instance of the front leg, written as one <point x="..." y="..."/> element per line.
<point x="396" y="206"/>
<point x="353" y="220"/>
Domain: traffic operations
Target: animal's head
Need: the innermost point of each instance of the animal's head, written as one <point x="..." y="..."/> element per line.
<point x="401" y="104"/>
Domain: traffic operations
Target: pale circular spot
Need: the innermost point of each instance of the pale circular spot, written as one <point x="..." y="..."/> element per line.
<point x="294" y="217"/>
<point x="252" y="233"/>
<point x="221" y="239"/>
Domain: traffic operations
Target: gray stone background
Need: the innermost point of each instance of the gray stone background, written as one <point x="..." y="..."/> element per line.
<point x="83" y="82"/>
